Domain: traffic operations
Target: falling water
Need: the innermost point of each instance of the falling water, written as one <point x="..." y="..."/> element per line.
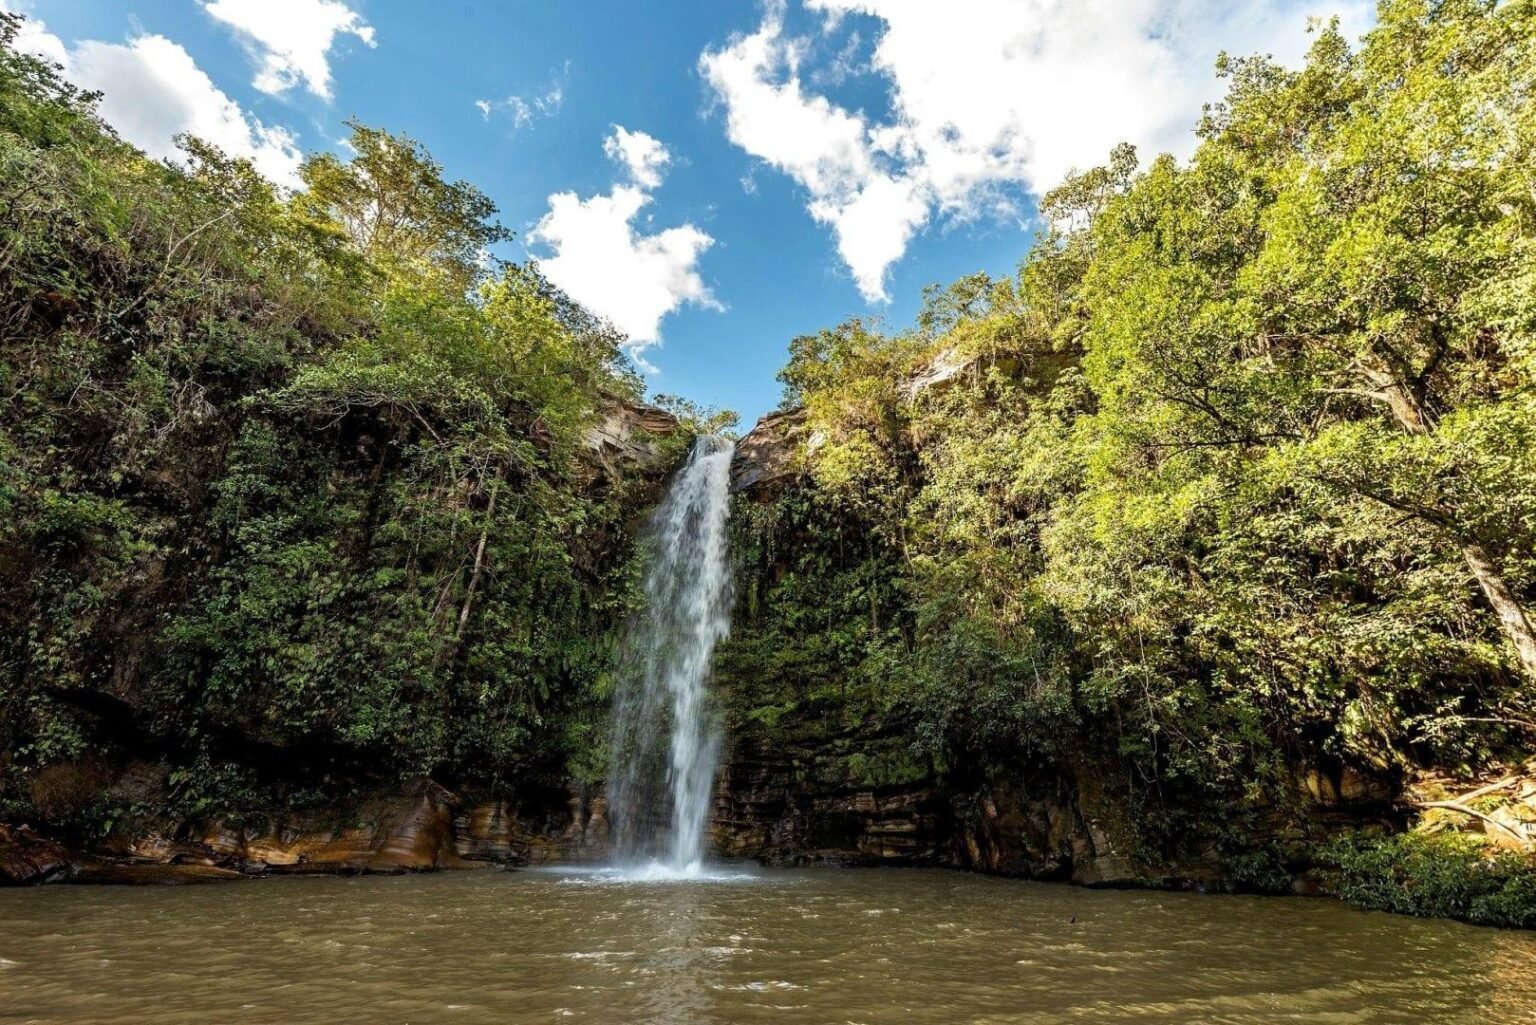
<point x="666" y="734"/>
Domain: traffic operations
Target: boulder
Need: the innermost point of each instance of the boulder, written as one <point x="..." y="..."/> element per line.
<point x="627" y="438"/>
<point x="769" y="455"/>
<point x="26" y="858"/>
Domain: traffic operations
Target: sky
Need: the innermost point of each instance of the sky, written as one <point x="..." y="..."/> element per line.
<point x="715" y="178"/>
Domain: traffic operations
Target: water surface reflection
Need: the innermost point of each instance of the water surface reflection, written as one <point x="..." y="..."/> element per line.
<point x="796" y="948"/>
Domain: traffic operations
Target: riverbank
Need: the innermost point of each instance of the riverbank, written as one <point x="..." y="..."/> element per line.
<point x="428" y="829"/>
<point x="419" y="829"/>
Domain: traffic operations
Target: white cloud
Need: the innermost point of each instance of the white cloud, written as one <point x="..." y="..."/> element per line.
<point x="873" y="226"/>
<point x="525" y="109"/>
<point x="34" y="37"/>
<point x="986" y="98"/>
<point x="630" y="278"/>
<point x="153" y="91"/>
<point x="291" y="39"/>
<point x="822" y="146"/>
<point x="640" y="153"/>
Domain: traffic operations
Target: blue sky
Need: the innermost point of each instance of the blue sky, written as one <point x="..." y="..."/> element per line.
<point x="715" y="177"/>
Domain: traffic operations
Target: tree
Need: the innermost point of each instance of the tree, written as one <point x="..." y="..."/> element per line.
<point x="392" y="201"/>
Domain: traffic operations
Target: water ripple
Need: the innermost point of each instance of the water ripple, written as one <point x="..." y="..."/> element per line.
<point x="790" y="948"/>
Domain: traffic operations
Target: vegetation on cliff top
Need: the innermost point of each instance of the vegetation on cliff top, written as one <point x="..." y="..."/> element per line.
<point x="290" y="496"/>
<point x="1236" y="479"/>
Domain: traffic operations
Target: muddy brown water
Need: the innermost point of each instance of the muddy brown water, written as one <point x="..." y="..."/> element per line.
<point x="821" y="947"/>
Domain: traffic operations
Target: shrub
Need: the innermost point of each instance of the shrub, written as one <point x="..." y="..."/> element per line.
<point x="1451" y="875"/>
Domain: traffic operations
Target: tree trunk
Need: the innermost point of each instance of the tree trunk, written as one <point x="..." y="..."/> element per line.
<point x="474" y="576"/>
<point x="1512" y="615"/>
<point x="450" y="651"/>
<point x="1409" y="408"/>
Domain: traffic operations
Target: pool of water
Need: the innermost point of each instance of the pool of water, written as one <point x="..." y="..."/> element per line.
<point x="825" y="947"/>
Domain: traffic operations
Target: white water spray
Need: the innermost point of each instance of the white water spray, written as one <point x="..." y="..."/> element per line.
<point x="666" y="733"/>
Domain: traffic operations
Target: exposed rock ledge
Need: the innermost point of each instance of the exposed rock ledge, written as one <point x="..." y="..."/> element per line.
<point x="627" y="436"/>
<point x="769" y="455"/>
<point x="772" y="453"/>
<point x="1053" y="826"/>
<point x="418" y="830"/>
<point x="1061" y="823"/>
<point x="1056" y="825"/>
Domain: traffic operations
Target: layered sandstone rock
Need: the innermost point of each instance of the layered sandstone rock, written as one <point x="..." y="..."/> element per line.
<point x="27" y="858"/>
<point x="1065" y="823"/>
<point x="422" y="829"/>
<point x="627" y="438"/>
<point x="769" y="455"/>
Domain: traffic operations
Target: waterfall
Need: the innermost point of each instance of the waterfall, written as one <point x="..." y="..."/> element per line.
<point x="666" y="732"/>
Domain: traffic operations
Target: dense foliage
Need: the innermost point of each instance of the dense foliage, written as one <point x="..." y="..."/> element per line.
<point x="292" y="488"/>
<point x="1446" y="875"/>
<point x="1230" y="491"/>
<point x="1236" y="480"/>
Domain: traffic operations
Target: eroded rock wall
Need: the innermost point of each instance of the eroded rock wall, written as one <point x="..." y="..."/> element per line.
<point x="417" y="829"/>
<point x="1067" y="825"/>
<point x="1068" y="811"/>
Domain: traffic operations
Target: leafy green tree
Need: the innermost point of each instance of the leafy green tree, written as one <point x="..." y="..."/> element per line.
<point x="1232" y="482"/>
<point x="392" y="201"/>
<point x="294" y="486"/>
<point x="697" y="418"/>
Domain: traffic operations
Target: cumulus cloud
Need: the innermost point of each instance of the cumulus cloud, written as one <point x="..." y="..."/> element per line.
<point x="640" y="153"/>
<point x="828" y="150"/>
<point x="987" y="99"/>
<point x="525" y="109"/>
<point x="291" y="39"/>
<point x="152" y="91"/>
<point x="34" y="37"/>
<point x="614" y="269"/>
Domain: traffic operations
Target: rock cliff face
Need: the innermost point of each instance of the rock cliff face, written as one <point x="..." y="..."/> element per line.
<point x="626" y="438"/>
<point x="769" y="455"/>
<point x="1048" y="825"/>
<point x="1042" y="826"/>
<point x="418" y="829"/>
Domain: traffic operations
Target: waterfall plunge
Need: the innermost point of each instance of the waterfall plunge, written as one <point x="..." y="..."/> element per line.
<point x="666" y="735"/>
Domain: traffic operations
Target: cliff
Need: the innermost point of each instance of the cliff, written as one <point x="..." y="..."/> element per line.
<point x="291" y="511"/>
<point x="769" y="455"/>
<point x="850" y="747"/>
<point x="629" y="438"/>
<point x="423" y="828"/>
